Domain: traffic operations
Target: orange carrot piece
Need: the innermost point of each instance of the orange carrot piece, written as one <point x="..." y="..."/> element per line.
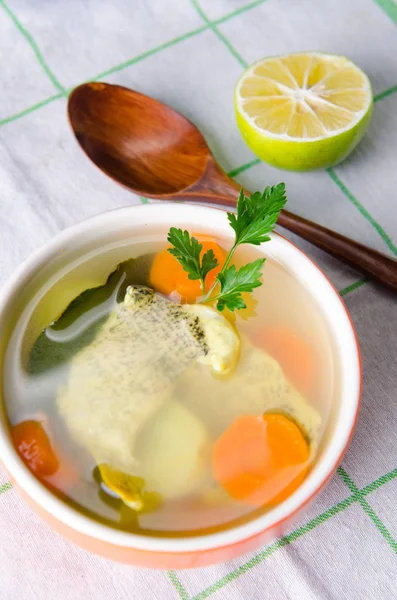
<point x="167" y="275"/>
<point x="261" y="459"/>
<point x="294" y="355"/>
<point x="34" y="447"/>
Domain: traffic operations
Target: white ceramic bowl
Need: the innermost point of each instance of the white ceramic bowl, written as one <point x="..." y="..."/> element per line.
<point x="47" y="265"/>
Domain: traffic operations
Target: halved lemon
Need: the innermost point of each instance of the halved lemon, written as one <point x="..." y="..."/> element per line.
<point x="303" y="111"/>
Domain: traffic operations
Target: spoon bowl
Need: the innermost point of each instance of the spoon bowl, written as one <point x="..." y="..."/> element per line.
<point x="156" y="152"/>
<point x="146" y="145"/>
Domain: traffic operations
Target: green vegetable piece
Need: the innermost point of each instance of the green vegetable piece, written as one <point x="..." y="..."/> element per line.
<point x="47" y="353"/>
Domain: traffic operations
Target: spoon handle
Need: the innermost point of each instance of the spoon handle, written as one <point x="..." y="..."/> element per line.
<point x="218" y="188"/>
<point x="370" y="262"/>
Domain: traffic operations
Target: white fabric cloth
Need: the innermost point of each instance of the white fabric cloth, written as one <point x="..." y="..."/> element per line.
<point x="190" y="55"/>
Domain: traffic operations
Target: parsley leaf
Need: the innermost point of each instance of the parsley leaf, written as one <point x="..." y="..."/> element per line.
<point x="187" y="251"/>
<point x="208" y="263"/>
<point x="234" y="282"/>
<point x="254" y="219"/>
<point x="257" y="215"/>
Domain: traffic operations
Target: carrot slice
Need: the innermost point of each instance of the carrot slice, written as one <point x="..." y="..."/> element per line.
<point x="167" y="275"/>
<point x="34" y="447"/>
<point x="261" y="459"/>
<point x="294" y="355"/>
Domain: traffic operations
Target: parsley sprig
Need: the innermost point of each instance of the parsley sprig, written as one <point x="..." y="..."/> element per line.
<point x="254" y="219"/>
<point x="187" y="251"/>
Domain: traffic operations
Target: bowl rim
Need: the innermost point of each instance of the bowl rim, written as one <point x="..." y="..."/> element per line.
<point x="323" y="469"/>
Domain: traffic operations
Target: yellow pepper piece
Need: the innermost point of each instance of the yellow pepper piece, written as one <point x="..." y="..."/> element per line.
<point x="130" y="489"/>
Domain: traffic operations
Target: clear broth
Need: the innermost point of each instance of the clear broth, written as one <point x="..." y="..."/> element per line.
<point x="32" y="379"/>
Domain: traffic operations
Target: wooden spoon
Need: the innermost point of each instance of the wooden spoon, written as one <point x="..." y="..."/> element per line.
<point x="156" y="152"/>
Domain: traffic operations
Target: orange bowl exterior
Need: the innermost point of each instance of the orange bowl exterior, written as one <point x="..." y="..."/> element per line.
<point x="195" y="558"/>
<point x="177" y="560"/>
<point x="156" y="560"/>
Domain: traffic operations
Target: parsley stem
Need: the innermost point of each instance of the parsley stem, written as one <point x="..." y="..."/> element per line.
<point x="207" y="300"/>
<point x="216" y="283"/>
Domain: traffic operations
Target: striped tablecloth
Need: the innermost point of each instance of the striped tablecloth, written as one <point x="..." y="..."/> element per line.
<point x="190" y="54"/>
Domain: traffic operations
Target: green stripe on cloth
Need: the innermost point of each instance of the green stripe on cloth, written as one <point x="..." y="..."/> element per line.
<point x="31" y="109"/>
<point x="389" y="7"/>
<point x="238" y="11"/>
<point x="363" y="211"/>
<point x="5" y="487"/>
<point x="123" y="65"/>
<point x="232" y="173"/>
<point x="223" y="39"/>
<point x="371" y="487"/>
<point x="229" y="46"/>
<point x="269" y="550"/>
<point x="34" y="47"/>
<point x="386" y="93"/>
<point x="379" y="524"/>
<point x="178" y="585"/>
<point x="233" y="13"/>
<point x="139" y="57"/>
<point x="347" y="480"/>
<point x="353" y="286"/>
<point x="242" y="168"/>
<point x="368" y="509"/>
<point x="174" y="41"/>
<point x="128" y="63"/>
<point x="288" y="539"/>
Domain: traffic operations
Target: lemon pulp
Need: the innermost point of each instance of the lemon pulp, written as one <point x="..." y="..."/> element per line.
<point x="303" y="111"/>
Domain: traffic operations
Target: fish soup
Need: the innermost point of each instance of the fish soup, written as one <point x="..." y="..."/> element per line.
<point x="157" y="414"/>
